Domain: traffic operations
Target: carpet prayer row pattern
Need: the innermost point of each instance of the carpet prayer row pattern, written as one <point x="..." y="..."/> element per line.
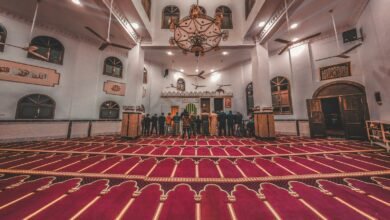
<point x="106" y="177"/>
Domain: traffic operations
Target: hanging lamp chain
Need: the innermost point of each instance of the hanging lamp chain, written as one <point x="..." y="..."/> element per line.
<point x="34" y="19"/>
<point x="109" y="22"/>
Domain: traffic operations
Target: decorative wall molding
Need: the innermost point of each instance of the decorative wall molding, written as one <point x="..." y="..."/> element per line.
<point x="25" y="73"/>
<point x="205" y="94"/>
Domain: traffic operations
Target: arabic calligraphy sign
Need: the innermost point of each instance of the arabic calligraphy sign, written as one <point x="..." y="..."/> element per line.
<point x="24" y="73"/>
<point x="114" y="88"/>
<point x="335" y="71"/>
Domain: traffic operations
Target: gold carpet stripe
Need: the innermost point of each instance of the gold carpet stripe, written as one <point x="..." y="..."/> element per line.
<point x="321" y="216"/>
<point x="85" y="208"/>
<point x="16" y="200"/>
<point x="355" y="209"/>
<point x="124" y="210"/>
<point x="44" y="207"/>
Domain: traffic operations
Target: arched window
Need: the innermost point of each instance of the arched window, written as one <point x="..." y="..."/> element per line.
<point x="181" y="85"/>
<point x="203" y="10"/>
<point x="109" y="110"/>
<point x="227" y="22"/>
<point x="281" y="98"/>
<point x="169" y="12"/>
<point x="35" y="106"/>
<point x="145" y="76"/>
<point x="113" y="67"/>
<point x="3" y="37"/>
<point x="249" y="98"/>
<point x="48" y="47"/>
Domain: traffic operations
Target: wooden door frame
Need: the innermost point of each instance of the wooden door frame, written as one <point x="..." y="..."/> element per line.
<point x="361" y="92"/>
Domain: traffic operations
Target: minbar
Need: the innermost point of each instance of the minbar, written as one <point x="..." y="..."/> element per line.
<point x="131" y="125"/>
<point x="264" y="125"/>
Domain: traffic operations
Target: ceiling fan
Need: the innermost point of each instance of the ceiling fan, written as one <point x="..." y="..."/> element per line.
<point x="31" y="48"/>
<point x="107" y="42"/>
<point x="290" y="43"/>
<point x="171" y="86"/>
<point x="220" y="90"/>
<point x="342" y="54"/>
<point x="200" y="75"/>
<point x="198" y="86"/>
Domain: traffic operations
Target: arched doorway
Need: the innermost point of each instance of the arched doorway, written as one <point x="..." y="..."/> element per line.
<point x="338" y="109"/>
<point x="191" y="108"/>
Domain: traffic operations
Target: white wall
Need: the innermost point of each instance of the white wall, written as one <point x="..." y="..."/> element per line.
<point x="80" y="92"/>
<point x="375" y="56"/>
<point x="369" y="64"/>
<point x="239" y="76"/>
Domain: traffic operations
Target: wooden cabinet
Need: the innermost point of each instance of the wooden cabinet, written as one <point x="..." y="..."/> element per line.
<point x="264" y="125"/>
<point x="379" y="133"/>
<point x="131" y="125"/>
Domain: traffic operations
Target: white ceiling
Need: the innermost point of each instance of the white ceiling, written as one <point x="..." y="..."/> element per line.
<point x="211" y="60"/>
<point x="313" y="16"/>
<point x="68" y="17"/>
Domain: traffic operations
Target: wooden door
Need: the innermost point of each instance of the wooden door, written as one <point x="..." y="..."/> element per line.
<point x="218" y="104"/>
<point x="316" y="118"/>
<point x="205" y="105"/>
<point x="174" y="110"/>
<point x="353" y="115"/>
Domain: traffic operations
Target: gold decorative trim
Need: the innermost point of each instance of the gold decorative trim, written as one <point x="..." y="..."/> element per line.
<point x="194" y="156"/>
<point x="198" y="180"/>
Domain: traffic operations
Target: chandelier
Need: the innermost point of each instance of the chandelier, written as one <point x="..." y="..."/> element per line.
<point x="197" y="33"/>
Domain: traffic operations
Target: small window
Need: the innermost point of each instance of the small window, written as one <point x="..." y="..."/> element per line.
<point x="181" y="85"/>
<point x="35" y="106"/>
<point x="109" y="110"/>
<point x="249" y="98"/>
<point x="113" y="67"/>
<point x="48" y="47"/>
<point x="145" y="76"/>
<point x="203" y="10"/>
<point x="227" y="22"/>
<point x="3" y="37"/>
<point x="281" y="97"/>
<point x="171" y="13"/>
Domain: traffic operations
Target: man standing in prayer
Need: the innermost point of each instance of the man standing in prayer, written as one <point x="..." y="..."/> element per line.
<point x="168" y="122"/>
<point x="205" y="123"/>
<point x="193" y="124"/>
<point x="186" y="124"/>
<point x="213" y="123"/>
<point x="147" y="125"/>
<point x="176" y="124"/>
<point x="198" y="123"/>
<point x="154" y="124"/>
<point x="161" y="124"/>
<point x="230" y="123"/>
<point x="222" y="123"/>
<point x="238" y="123"/>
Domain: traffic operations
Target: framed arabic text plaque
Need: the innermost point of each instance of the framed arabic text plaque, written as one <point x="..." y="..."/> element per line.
<point x="114" y="88"/>
<point x="335" y="71"/>
<point x="25" y="73"/>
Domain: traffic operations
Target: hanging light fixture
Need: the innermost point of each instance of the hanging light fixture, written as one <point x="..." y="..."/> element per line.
<point x="197" y="33"/>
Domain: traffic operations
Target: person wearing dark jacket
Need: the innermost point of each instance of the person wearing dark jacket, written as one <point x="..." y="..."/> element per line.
<point x="186" y="124"/>
<point x="193" y="124"/>
<point x="198" y="123"/>
<point x="222" y="123"/>
<point x="230" y="123"/>
<point x="161" y="124"/>
<point x="147" y="125"/>
<point x="238" y="124"/>
<point x="154" y="123"/>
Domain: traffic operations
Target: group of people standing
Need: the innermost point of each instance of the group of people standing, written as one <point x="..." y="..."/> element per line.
<point x="188" y="124"/>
